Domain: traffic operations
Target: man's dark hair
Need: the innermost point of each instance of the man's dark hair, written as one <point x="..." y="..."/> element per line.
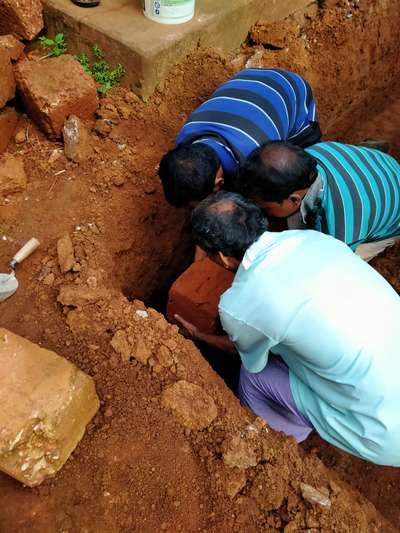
<point x="276" y="170"/>
<point x="228" y="223"/>
<point x="188" y="173"/>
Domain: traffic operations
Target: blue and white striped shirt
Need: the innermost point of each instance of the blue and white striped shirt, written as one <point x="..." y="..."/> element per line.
<point x="252" y="108"/>
<point x="360" y="197"/>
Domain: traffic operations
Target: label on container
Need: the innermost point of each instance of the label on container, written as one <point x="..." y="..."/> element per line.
<point x="169" y="8"/>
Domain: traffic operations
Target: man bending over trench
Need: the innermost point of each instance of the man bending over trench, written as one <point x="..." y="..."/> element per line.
<point x="349" y="192"/>
<point x="255" y="106"/>
<point x="316" y="327"/>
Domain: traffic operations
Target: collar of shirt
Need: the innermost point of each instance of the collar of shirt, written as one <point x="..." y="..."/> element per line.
<point x="228" y="161"/>
<point x="311" y="201"/>
<point x="276" y="245"/>
<point x="258" y="249"/>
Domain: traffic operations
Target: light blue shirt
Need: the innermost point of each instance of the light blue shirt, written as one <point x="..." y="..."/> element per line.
<point x="336" y="323"/>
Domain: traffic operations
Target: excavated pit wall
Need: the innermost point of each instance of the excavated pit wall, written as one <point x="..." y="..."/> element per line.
<point x="347" y="50"/>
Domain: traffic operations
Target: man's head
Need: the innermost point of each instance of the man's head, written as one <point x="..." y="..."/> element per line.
<point x="189" y="173"/>
<point x="225" y="225"/>
<point x="277" y="176"/>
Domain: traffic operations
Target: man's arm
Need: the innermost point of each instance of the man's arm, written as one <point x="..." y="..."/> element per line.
<point x="221" y="342"/>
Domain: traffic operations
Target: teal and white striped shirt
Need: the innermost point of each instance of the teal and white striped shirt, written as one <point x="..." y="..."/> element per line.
<point x="360" y="197"/>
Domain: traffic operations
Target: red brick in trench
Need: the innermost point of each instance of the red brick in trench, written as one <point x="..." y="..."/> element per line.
<point x="196" y="293"/>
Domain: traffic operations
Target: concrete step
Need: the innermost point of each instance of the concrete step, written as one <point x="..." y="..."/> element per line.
<point x="148" y="49"/>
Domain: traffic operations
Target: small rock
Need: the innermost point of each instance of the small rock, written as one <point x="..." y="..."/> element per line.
<point x="49" y="279"/>
<point x="20" y="137"/>
<point x="142" y="313"/>
<point x="239" y="453"/>
<point x="77" y="267"/>
<point x="171" y="344"/>
<point x="119" y="180"/>
<point x="315" y="496"/>
<point x="149" y="188"/>
<point x="109" y="113"/>
<point x="191" y="405"/>
<point x="108" y="412"/>
<point x="12" y="175"/>
<point x="335" y="488"/>
<point x="125" y="111"/>
<point x="311" y="520"/>
<point x="92" y="282"/>
<point x="77" y="145"/>
<point x="13" y="46"/>
<point x="141" y="352"/>
<point x="164" y="357"/>
<point x="131" y="97"/>
<point x="291" y="527"/>
<point x="65" y="252"/>
<point x="102" y="127"/>
<point x="256" y="60"/>
<point x="121" y="344"/>
<point x="80" y="296"/>
<point x="237" y="480"/>
<point x="54" y="156"/>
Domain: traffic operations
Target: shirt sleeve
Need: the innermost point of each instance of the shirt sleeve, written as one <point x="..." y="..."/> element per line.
<point x="253" y="345"/>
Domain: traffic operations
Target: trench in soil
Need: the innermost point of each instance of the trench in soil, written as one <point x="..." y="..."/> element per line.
<point x="380" y="124"/>
<point x="129" y="240"/>
<point x="383" y="124"/>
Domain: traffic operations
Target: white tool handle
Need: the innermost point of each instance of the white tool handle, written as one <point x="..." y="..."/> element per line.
<point x="27" y="249"/>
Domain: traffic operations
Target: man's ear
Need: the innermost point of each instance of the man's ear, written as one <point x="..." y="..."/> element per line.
<point x="230" y="263"/>
<point x="296" y="198"/>
<point x="219" y="179"/>
<point x="224" y="260"/>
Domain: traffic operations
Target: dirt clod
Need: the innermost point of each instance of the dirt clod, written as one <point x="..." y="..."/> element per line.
<point x="314" y="496"/>
<point x="192" y="406"/>
<point x="240" y="452"/>
<point x="13" y="46"/>
<point x="54" y="89"/>
<point x="23" y="18"/>
<point x="80" y="296"/>
<point x="65" y="252"/>
<point x="20" y="137"/>
<point x="12" y="175"/>
<point x="8" y="123"/>
<point x="235" y="482"/>
<point x="121" y="344"/>
<point x="49" y="279"/>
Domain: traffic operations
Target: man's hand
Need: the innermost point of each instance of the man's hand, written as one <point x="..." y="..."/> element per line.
<point x="189" y="330"/>
<point x="221" y="342"/>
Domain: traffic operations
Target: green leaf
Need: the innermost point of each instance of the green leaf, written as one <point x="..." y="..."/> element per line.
<point x="59" y="38"/>
<point x="98" y="52"/>
<point x="47" y="42"/>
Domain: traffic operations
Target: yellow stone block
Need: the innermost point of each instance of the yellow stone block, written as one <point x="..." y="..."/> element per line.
<point x="45" y="404"/>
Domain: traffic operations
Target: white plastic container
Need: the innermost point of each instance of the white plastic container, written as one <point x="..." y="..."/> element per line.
<point x="169" y="11"/>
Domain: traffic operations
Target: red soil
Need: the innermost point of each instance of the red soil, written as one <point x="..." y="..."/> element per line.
<point x="138" y="468"/>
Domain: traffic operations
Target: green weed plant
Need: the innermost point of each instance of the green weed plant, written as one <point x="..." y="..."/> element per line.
<point x="105" y="76"/>
<point x="100" y="70"/>
<point x="55" y="47"/>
